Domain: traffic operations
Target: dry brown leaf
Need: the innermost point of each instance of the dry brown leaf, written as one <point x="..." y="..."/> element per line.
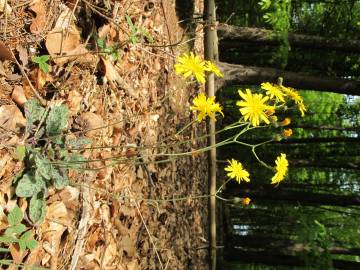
<point x="112" y="75"/>
<point x="16" y="254"/>
<point x="18" y="96"/>
<point x="23" y="55"/>
<point x="74" y="102"/>
<point x="91" y="123"/>
<point x="39" y="22"/>
<point x="128" y="245"/>
<point x="64" y="38"/>
<point x="68" y="195"/>
<point x="11" y="117"/>
<point x="35" y="256"/>
<point x="5" y="53"/>
<point x="109" y="254"/>
<point x="133" y="265"/>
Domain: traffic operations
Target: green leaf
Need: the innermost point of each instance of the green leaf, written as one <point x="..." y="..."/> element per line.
<point x="43" y="167"/>
<point x="15" y="216"/>
<point x="33" y="112"/>
<point x="101" y="43"/>
<point x="17" y="229"/>
<point x="42" y="62"/>
<point x="59" y="181"/>
<point x="26" y="187"/>
<point x="44" y="67"/>
<point x="56" y="121"/>
<point x="8" y="239"/>
<point x="31" y="244"/>
<point x="20" y="152"/>
<point x="130" y="23"/>
<point x="22" y="245"/>
<point x="37" y="209"/>
<point x="40" y="59"/>
<point x="4" y="250"/>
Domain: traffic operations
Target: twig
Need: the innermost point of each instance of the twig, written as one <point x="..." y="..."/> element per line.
<point x="83" y="225"/>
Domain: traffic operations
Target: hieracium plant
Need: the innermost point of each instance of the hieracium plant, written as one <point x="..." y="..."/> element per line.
<point x="44" y="155"/>
<point x="257" y="109"/>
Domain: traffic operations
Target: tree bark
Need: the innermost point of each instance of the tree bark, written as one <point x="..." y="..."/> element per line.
<point x="231" y="36"/>
<point x="248" y="75"/>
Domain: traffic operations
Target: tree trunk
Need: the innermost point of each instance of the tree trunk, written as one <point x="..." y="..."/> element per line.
<point x="267" y="192"/>
<point x="248" y="75"/>
<point x="233" y="35"/>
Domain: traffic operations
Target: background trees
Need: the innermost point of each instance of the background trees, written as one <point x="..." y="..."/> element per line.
<point x="311" y="219"/>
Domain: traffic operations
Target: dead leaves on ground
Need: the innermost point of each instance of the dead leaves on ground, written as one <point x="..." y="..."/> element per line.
<point x="120" y="104"/>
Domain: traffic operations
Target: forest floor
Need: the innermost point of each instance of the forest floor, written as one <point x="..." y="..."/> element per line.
<point x="116" y="78"/>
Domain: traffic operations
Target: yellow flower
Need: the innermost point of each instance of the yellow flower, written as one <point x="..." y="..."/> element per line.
<point x="236" y="171"/>
<point x="286" y="121"/>
<point x="281" y="169"/>
<point x="191" y="65"/>
<point x="211" y="67"/>
<point x="287" y="132"/>
<point x="273" y="91"/>
<point x="245" y="201"/>
<point x="205" y="106"/>
<point x="254" y="107"/>
<point x="292" y="94"/>
<point x="302" y="108"/>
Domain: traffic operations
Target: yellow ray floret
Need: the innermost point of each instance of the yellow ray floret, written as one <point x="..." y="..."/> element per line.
<point x="211" y="67"/>
<point x="254" y="107"/>
<point x="281" y="167"/>
<point x="191" y="65"/>
<point x="273" y="91"/>
<point x="236" y="171"/>
<point x="206" y="107"/>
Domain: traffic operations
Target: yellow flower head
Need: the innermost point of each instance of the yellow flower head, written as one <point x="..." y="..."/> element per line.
<point x="281" y="169"/>
<point x="245" y="201"/>
<point x="302" y="108"/>
<point x="287" y="132"/>
<point x="205" y="106"/>
<point x="286" y="121"/>
<point x="236" y="171"/>
<point x="292" y="94"/>
<point x="191" y="65"/>
<point x="211" y="67"/>
<point x="273" y="91"/>
<point x="254" y="107"/>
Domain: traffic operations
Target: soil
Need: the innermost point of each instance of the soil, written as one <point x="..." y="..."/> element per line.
<point x="122" y="93"/>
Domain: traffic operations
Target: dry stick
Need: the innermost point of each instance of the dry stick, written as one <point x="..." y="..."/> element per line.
<point x="83" y="225"/>
<point x="147" y="230"/>
<point x="35" y="92"/>
<point x="5" y="26"/>
<point x="209" y="47"/>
